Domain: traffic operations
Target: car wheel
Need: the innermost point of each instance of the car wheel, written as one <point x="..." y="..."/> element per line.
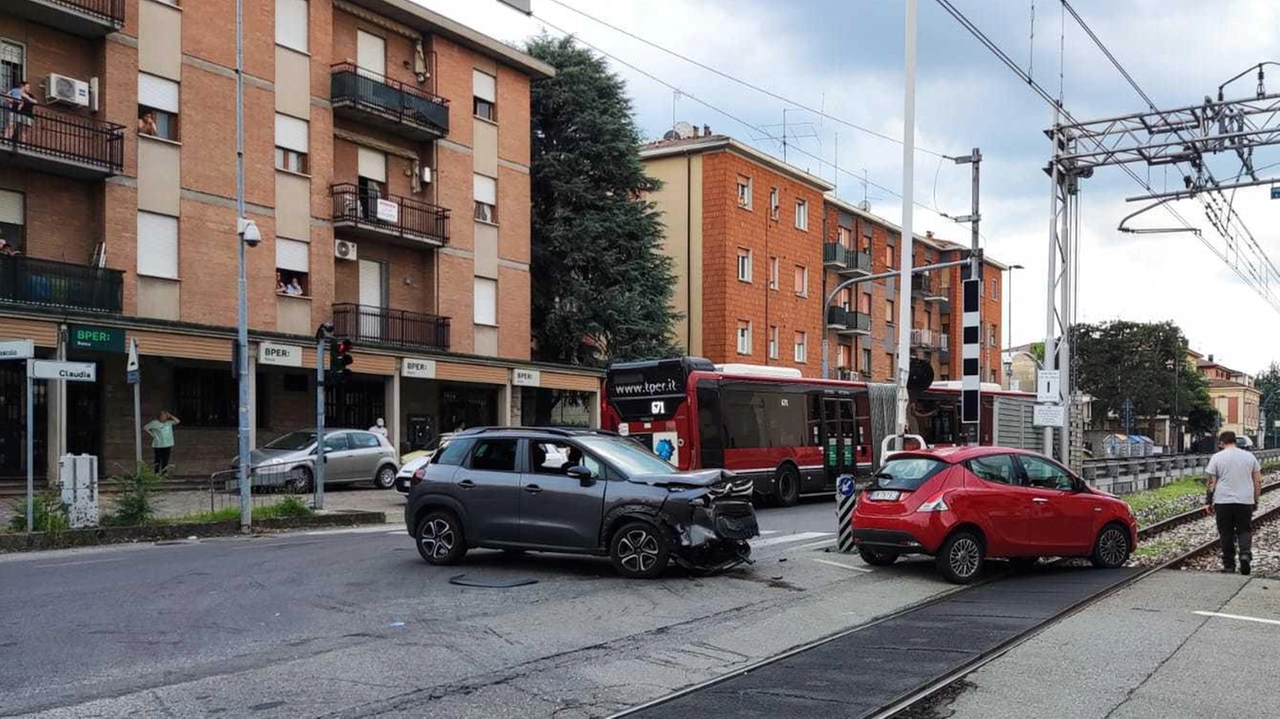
<point x="1111" y="549"/>
<point x="960" y="558"/>
<point x="439" y="538"/>
<point x="787" y="487"/>
<point x="877" y="558"/>
<point x="639" y="551"/>
<point x="385" y="478"/>
<point x="299" y="481"/>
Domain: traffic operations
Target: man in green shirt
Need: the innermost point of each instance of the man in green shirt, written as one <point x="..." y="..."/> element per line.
<point x="161" y="430"/>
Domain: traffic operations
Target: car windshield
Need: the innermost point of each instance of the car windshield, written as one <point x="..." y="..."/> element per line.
<point x="907" y="473"/>
<point x="628" y="456"/>
<point x="293" y="441"/>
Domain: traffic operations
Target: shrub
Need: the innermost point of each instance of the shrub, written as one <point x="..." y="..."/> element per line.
<point x="134" y="503"/>
<point x="50" y="514"/>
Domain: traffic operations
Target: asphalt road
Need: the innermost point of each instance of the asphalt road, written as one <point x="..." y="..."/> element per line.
<point x="345" y="623"/>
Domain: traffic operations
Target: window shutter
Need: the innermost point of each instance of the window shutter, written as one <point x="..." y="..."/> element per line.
<point x="371" y="164"/>
<point x="12" y="211"/>
<point x="484" y="85"/>
<point x="157" y="92"/>
<point x="291" y="133"/>
<point x="293" y="255"/>
<point x="157" y="245"/>
<point x="486" y="301"/>
<point x="291" y="24"/>
<point x="486" y="190"/>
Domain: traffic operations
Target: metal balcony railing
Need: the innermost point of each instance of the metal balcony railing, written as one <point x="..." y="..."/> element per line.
<point x="59" y="285"/>
<point x="367" y="208"/>
<point x="857" y="322"/>
<point x="926" y="339"/>
<point x="61" y="136"/>
<point x="392" y="101"/>
<point x="922" y="284"/>
<point x="108" y="11"/>
<point x="837" y="317"/>
<point x="380" y="325"/>
<point x="845" y="259"/>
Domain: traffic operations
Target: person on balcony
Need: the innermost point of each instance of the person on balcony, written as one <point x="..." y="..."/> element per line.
<point x="21" y="106"/>
<point x="8" y="250"/>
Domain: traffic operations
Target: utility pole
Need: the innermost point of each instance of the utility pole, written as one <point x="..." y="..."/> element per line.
<point x="971" y="312"/>
<point x="908" y="194"/>
<point x="242" y="320"/>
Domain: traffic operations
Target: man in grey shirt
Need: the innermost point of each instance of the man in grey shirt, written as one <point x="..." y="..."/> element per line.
<point x="1235" y="486"/>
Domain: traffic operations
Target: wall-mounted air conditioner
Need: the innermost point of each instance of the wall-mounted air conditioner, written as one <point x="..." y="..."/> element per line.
<point x="344" y="250"/>
<point x="66" y="90"/>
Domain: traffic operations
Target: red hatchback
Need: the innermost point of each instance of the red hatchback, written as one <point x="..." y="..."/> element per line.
<point x="964" y="505"/>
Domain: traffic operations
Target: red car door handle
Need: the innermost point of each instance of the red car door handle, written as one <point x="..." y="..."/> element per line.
<point x="466" y="484"/>
<point x="1039" y="500"/>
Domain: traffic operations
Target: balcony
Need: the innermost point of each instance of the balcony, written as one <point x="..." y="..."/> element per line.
<point x="845" y="260"/>
<point x="86" y="18"/>
<point x="837" y="318"/>
<point x="925" y="339"/>
<point x="64" y="144"/>
<point x="398" y="328"/>
<point x="366" y="214"/>
<point x="52" y="285"/>
<point x="367" y="97"/>
<point x="857" y="323"/>
<point x="924" y="285"/>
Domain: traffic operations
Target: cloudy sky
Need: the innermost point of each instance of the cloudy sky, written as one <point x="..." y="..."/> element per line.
<point x="846" y="56"/>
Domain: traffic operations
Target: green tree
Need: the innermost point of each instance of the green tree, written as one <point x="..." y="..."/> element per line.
<point x="601" y="285"/>
<point x="1268" y="383"/>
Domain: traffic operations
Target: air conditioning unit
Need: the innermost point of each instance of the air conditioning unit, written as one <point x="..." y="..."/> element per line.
<point x="66" y="90"/>
<point x="344" y="250"/>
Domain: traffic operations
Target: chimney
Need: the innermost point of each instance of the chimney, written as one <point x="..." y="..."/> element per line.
<point x="695" y="130"/>
<point x="1210" y="359"/>
<point x="706" y="130"/>
<point x="929" y="234"/>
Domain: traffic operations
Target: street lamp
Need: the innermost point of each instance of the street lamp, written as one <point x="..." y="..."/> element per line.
<point x="249" y="234"/>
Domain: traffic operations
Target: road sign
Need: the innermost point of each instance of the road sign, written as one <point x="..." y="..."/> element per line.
<point x="1049" y="386"/>
<point x="67" y="371"/>
<point x="1048" y="415"/>
<point x="102" y="339"/>
<point x="16" y="350"/>
<point x="1275" y="193"/>
<point x="131" y="365"/>
<point x="846" y="485"/>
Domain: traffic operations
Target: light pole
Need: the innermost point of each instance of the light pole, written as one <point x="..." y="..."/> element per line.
<point x="247" y="233"/>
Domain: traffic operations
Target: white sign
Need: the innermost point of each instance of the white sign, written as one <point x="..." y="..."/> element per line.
<point x="389" y="211"/>
<point x="1049" y="386"/>
<point x="417" y="368"/>
<point x="280" y="355"/>
<point x="1276" y="424"/>
<point x="526" y="378"/>
<point x="68" y="371"/>
<point x="1048" y="415"/>
<point x="658" y="407"/>
<point x="16" y="350"/>
<point x="131" y="364"/>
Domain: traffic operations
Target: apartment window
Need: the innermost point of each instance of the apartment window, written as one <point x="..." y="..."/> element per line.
<point x="866" y="235"/>
<point x="846" y="298"/>
<point x="802" y="281"/>
<point x="13" y="219"/>
<point x="888" y="256"/>
<point x="293" y="144"/>
<point x="928" y="318"/>
<point x="205" y="397"/>
<point x="744" y="192"/>
<point x="866" y="361"/>
<point x="13" y="64"/>
<point x="773" y="202"/>
<point x="845" y="236"/>
<point x="157" y="107"/>
<point x="291" y="24"/>
<point x="293" y="267"/>
<point x="864" y="304"/>
<point x="486" y="191"/>
<point x="844" y="353"/>
<point x="890" y="316"/>
<point x="773" y="342"/>
<point x="888" y="358"/>
<point x="802" y="215"/>
<point x="486" y="301"/>
<point x="995" y="290"/>
<point x="744" y="265"/>
<point x="157" y="246"/>
<point x="773" y="273"/>
<point x="485" y="89"/>
<point x="802" y="347"/>
<point x="744" y="337"/>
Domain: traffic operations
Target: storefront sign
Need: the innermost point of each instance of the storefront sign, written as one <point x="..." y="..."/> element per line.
<point x="102" y="339"/>
<point x="16" y="350"/>
<point x="279" y="355"/>
<point x="388" y="211"/>
<point x="67" y="371"/>
<point x="526" y="377"/>
<point x="418" y="369"/>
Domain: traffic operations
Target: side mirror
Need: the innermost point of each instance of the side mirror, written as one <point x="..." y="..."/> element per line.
<point x="582" y="474"/>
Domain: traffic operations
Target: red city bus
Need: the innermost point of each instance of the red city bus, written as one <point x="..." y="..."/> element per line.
<point x="793" y="436"/>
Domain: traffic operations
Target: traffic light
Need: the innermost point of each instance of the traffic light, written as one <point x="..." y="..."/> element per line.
<point x="339" y="361"/>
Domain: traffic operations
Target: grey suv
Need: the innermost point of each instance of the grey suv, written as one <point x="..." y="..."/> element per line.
<point x="577" y="491"/>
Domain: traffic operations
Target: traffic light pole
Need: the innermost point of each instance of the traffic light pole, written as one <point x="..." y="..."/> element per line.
<point x="320" y="459"/>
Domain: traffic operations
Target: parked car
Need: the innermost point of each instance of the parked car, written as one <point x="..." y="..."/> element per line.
<point x="577" y="491"/>
<point x="351" y="455"/>
<point x="965" y="505"/>
<point x="414" y="465"/>
<point x="1245" y="443"/>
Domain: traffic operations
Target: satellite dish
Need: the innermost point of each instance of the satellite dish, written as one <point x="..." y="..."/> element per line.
<point x="684" y="130"/>
<point x="671" y="135"/>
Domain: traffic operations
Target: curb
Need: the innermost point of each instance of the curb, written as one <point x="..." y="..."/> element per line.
<point x="37" y="541"/>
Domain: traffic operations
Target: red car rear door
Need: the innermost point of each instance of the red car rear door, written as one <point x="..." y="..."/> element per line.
<point x="993" y="500"/>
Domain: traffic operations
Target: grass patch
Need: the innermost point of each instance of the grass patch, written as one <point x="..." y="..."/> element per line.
<point x="287" y="507"/>
<point x="1155" y="505"/>
<point x="1158" y="548"/>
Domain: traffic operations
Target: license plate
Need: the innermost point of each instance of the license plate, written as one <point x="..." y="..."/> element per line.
<point x="884" y="495"/>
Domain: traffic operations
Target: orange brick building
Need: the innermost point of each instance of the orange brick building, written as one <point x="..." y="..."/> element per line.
<point x="387" y="154"/>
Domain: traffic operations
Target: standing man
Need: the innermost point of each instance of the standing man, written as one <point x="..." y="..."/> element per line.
<point x="379" y="427"/>
<point x="1235" y="487"/>
<point x="161" y="430"/>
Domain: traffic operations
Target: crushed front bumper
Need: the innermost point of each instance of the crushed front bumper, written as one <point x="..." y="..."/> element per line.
<point x="716" y="538"/>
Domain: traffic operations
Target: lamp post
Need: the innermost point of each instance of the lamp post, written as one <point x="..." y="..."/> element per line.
<point x="247" y="235"/>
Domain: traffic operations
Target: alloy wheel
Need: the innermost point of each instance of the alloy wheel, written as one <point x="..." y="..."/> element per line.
<point x="386" y="477"/>
<point x="638" y="550"/>
<point x="964" y="557"/>
<point x="1112" y="547"/>
<point x="437" y="538"/>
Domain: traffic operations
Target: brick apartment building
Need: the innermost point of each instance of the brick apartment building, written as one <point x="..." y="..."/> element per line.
<point x="758" y="244"/>
<point x="386" y="163"/>
<point x="1234" y="395"/>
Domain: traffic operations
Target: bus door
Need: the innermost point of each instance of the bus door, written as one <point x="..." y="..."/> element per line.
<point x="840" y="432"/>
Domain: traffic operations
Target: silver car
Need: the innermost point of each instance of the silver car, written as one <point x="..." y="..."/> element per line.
<point x="351" y="455"/>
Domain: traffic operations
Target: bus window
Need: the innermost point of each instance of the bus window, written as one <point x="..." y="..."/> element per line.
<point x="710" y="425"/>
<point x="744" y="420"/>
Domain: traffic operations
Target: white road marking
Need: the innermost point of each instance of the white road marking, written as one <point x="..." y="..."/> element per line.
<point x="1240" y="617"/>
<point x="349" y="530"/>
<point x="787" y="538"/>
<point x="823" y="543"/>
<point x="842" y="566"/>
<point x="72" y="564"/>
<point x="768" y="531"/>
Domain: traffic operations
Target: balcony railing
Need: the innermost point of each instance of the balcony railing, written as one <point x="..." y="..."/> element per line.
<point x="397" y="107"/>
<point x="925" y="339"/>
<point x="921" y="284"/>
<point x="370" y="213"/>
<point x="857" y="323"/>
<point x="837" y="317"/>
<point x="379" y="325"/>
<point x="845" y="259"/>
<point x="88" y="18"/>
<point x="59" y="285"/>
<point x="63" y="143"/>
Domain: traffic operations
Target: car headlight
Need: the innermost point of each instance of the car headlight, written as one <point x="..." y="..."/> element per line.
<point x="937" y="504"/>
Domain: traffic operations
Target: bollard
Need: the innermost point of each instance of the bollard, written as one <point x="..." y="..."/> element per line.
<point x="846" y="498"/>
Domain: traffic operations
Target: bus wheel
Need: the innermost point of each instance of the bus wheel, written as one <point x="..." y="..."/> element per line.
<point x="787" y="486"/>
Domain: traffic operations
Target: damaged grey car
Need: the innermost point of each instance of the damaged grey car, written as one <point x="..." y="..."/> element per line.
<point x="581" y="492"/>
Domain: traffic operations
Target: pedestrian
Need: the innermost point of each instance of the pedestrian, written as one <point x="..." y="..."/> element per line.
<point x="1235" y="486"/>
<point x="379" y="428"/>
<point x="21" y="110"/>
<point x="161" y="430"/>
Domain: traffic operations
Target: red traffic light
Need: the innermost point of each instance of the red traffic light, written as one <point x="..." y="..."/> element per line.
<point x="343" y="346"/>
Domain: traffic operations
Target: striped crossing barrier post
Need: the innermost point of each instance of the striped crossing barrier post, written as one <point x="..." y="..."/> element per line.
<point x="846" y="497"/>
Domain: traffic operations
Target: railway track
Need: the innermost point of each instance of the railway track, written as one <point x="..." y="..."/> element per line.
<point x="1165" y="525"/>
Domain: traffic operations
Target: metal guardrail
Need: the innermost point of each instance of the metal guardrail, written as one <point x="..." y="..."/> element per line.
<point x="410" y="218"/>
<point x="45" y="283"/>
<point x="380" y="325"/>
<point x="1134" y="474"/>
<point x="63" y="136"/>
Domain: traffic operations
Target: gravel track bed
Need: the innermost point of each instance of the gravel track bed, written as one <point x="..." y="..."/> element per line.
<point x="1266" y="553"/>
<point x="1170" y="544"/>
